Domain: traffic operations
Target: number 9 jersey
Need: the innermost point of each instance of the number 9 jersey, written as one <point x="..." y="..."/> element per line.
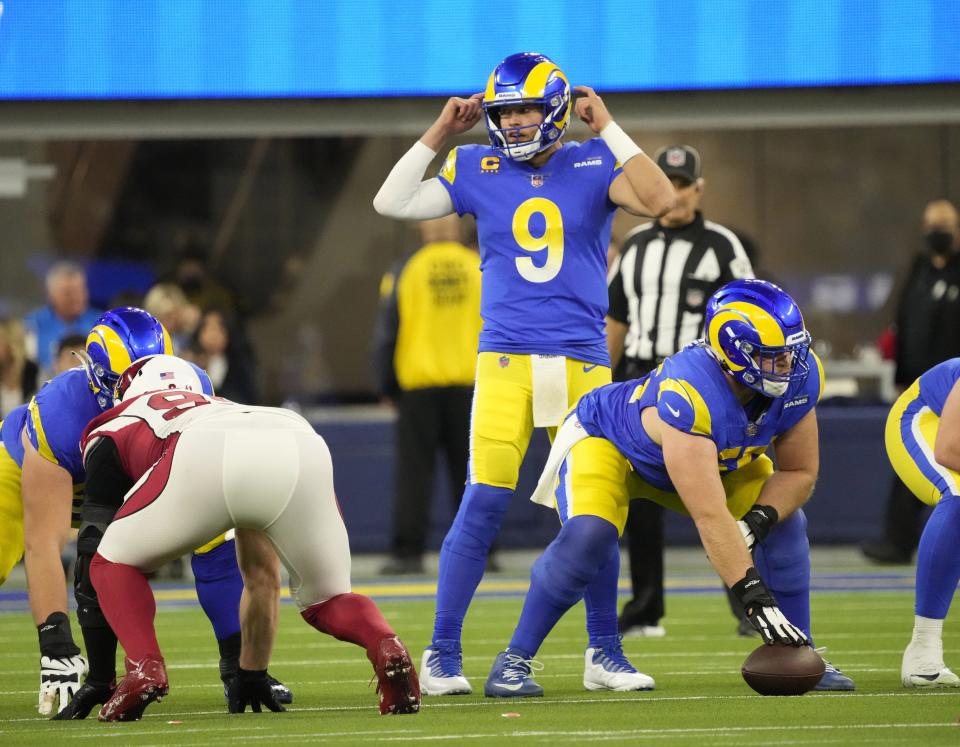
<point x="543" y="236"/>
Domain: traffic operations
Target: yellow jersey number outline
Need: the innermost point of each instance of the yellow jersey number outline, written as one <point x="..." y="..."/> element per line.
<point x="551" y="240"/>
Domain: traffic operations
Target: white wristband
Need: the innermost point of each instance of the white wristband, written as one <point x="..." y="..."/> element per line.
<point x="619" y="143"/>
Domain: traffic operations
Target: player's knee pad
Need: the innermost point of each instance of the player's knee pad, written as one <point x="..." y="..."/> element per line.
<point x="783" y="559"/>
<point x="478" y="520"/>
<point x="96" y="518"/>
<point x="495" y="462"/>
<point x="575" y="557"/>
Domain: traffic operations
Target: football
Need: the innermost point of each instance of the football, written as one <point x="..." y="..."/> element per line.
<point x="783" y="670"/>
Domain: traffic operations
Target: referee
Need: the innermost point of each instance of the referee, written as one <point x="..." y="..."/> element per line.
<point x="659" y="287"/>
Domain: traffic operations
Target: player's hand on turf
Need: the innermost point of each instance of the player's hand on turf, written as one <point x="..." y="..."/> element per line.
<point x="764" y="614"/>
<point x="757" y="523"/>
<point x="251" y="687"/>
<point x="591" y="109"/>
<point x="59" y="681"/>
<point x="460" y="114"/>
<point x="61" y="666"/>
<point x="88" y="697"/>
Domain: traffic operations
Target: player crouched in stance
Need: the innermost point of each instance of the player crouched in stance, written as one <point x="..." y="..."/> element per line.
<point x="923" y="443"/>
<point x="190" y="466"/>
<point x="690" y="435"/>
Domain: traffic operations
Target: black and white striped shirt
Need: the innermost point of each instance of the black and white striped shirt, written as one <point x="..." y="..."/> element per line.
<point x="662" y="279"/>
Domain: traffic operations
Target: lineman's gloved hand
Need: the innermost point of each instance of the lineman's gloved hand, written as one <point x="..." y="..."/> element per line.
<point x="61" y="665"/>
<point x="251" y="687"/>
<point x="756" y="524"/>
<point x="764" y="614"/>
<point x="89" y="696"/>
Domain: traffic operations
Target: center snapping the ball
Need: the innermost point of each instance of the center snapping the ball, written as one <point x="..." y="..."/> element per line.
<point x="783" y="670"/>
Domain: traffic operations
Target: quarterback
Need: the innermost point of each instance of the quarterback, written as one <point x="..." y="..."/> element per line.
<point x="543" y="209"/>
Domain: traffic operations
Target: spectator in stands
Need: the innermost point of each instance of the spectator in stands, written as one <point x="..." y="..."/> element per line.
<point x="192" y="274"/>
<point x="168" y="303"/>
<point x="67" y="311"/>
<point x="927" y="333"/>
<point x="230" y="366"/>
<point x="66" y="348"/>
<point x="425" y="349"/>
<point x="18" y="374"/>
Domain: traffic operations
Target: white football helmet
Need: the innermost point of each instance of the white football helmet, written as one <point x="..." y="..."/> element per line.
<point x="154" y="373"/>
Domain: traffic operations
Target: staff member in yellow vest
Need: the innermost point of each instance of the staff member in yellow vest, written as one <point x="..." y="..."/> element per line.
<point x="425" y="349"/>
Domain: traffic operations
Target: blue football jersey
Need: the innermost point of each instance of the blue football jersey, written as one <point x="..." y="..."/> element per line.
<point x="54" y="421"/>
<point x="936" y="384"/>
<point x="691" y="393"/>
<point x="543" y="236"/>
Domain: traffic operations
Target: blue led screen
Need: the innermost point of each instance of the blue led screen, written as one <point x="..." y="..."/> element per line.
<point x="142" y="49"/>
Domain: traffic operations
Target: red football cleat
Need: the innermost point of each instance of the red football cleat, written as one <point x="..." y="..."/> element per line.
<point x="398" y="685"/>
<point x="146" y="681"/>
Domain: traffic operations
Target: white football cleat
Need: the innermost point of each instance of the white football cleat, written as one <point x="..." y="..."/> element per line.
<point x="644" y="631"/>
<point x="605" y="667"/>
<point x="441" y="670"/>
<point x="923" y="666"/>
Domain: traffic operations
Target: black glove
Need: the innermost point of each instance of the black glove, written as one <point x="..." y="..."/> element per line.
<point x="88" y="697"/>
<point x="61" y="665"/>
<point x="763" y="613"/>
<point x="756" y="524"/>
<point x="251" y="687"/>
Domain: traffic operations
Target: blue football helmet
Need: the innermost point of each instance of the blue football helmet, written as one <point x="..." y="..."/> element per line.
<point x="118" y="338"/>
<point x="527" y="78"/>
<point x="155" y="373"/>
<point x="749" y="324"/>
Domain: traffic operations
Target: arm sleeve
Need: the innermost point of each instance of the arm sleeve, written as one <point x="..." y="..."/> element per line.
<point x="107" y="482"/>
<point x="385" y="335"/>
<point x="403" y="194"/>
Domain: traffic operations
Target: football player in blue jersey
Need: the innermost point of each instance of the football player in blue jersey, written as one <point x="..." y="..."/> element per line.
<point x="543" y="209"/>
<point x="923" y="443"/>
<point x="41" y="490"/>
<point x="691" y="435"/>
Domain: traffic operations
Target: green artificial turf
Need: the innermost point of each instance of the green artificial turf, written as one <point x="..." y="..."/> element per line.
<point x="700" y="697"/>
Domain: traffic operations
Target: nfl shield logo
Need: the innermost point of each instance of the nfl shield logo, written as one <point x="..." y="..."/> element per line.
<point x="676" y="157"/>
<point x="536" y="180"/>
<point x="504" y="361"/>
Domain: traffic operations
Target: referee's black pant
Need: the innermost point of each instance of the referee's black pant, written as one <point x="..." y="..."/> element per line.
<point x="644" y="536"/>
<point x="428" y="421"/>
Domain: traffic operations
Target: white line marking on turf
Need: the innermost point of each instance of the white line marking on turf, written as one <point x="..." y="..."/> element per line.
<point x="668" y="733"/>
<point x="430" y="703"/>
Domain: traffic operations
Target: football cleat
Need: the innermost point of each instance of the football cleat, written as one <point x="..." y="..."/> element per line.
<point x="146" y="681"/>
<point x="396" y="678"/>
<point x="923" y="666"/>
<point x="605" y="667"/>
<point x="644" y="631"/>
<point x="833" y="679"/>
<point x="511" y="676"/>
<point x="441" y="669"/>
<point x="86" y="698"/>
